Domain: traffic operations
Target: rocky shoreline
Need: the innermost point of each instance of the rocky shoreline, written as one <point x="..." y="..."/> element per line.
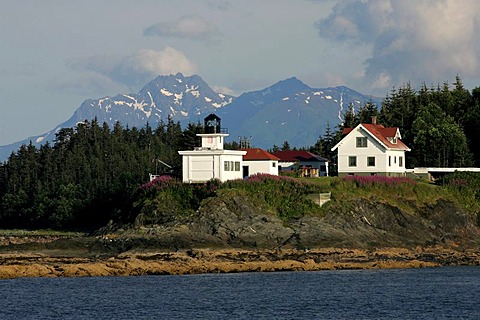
<point x="230" y="234"/>
<point x="196" y="261"/>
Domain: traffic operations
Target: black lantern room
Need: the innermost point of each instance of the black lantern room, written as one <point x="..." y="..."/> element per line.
<point x="212" y="124"/>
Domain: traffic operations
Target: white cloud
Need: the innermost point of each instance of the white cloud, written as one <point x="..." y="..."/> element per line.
<point x="139" y="68"/>
<point x="225" y="90"/>
<point x="168" y="61"/>
<point x="419" y="41"/>
<point x="192" y="27"/>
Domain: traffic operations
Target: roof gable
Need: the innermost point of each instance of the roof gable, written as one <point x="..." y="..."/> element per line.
<point x="389" y="137"/>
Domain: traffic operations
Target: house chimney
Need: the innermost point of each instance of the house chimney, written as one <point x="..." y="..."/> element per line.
<point x="374" y="121"/>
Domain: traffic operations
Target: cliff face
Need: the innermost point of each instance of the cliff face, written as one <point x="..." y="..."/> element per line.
<point x="233" y="221"/>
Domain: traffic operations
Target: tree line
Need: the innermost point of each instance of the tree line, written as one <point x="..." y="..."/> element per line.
<point x="87" y="176"/>
<point x="439" y="124"/>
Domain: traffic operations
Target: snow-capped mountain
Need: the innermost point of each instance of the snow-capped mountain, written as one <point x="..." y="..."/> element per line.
<point x="183" y="98"/>
<point x="287" y="111"/>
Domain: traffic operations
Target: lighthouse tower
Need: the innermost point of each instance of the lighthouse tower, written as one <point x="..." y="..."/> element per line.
<point x="211" y="161"/>
<point x="213" y="136"/>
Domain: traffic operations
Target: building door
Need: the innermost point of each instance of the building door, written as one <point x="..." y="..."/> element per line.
<point x="245" y="171"/>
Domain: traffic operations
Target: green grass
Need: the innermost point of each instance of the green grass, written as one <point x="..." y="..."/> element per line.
<point x="404" y="194"/>
<point x="286" y="196"/>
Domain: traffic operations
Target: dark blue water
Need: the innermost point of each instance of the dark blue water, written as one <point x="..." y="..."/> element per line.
<point x="434" y="293"/>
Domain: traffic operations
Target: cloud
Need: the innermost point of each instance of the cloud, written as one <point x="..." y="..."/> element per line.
<point x="225" y="90"/>
<point x="139" y="68"/>
<point x="191" y="27"/>
<point x="410" y="40"/>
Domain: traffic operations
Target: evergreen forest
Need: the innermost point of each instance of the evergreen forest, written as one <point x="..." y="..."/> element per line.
<point x="87" y="176"/>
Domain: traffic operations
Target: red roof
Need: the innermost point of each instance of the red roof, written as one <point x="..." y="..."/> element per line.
<point x="382" y="134"/>
<point x="258" y="154"/>
<point x="298" y="155"/>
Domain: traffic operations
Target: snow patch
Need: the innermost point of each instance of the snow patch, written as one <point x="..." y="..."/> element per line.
<point x="178" y="98"/>
<point x="195" y="93"/>
<point x="286" y="98"/>
<point x="179" y="80"/>
<point x="184" y="113"/>
<point x="221" y="95"/>
<point x="39" y="139"/>
<point x="317" y="93"/>
<point x="165" y="92"/>
<point x="129" y="97"/>
<point x="152" y="103"/>
<point x="328" y="97"/>
<point x="208" y="99"/>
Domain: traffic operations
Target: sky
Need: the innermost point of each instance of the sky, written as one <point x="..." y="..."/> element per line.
<point x="54" y="54"/>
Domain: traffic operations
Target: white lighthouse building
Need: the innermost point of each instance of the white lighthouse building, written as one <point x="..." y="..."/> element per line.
<point x="211" y="161"/>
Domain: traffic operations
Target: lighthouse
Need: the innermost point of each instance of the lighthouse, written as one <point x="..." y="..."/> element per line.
<point x="211" y="160"/>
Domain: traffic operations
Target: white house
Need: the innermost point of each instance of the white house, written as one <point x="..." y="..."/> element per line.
<point x="371" y="149"/>
<point x="259" y="161"/>
<point x="211" y="161"/>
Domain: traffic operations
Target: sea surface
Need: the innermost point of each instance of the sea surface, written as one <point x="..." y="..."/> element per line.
<point x="431" y="293"/>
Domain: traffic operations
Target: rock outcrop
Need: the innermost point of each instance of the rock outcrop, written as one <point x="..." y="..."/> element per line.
<point x="233" y="221"/>
<point x="228" y="233"/>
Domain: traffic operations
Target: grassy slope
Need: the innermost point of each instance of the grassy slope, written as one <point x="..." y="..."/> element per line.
<point x="405" y="194"/>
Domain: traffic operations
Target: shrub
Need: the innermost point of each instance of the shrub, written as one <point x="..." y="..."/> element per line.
<point x="379" y="180"/>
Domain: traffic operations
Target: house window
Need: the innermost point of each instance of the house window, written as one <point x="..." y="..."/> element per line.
<point x="361" y="142"/>
<point x="395" y="159"/>
<point x="237" y="165"/>
<point x="394" y="140"/>
<point x="389" y="161"/>
<point x="352" y="161"/>
<point x="400" y="161"/>
<point x="274" y="164"/>
<point x="226" y="166"/>
<point x="370" y="161"/>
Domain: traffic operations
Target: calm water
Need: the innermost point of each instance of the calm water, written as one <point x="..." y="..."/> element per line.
<point x="437" y="293"/>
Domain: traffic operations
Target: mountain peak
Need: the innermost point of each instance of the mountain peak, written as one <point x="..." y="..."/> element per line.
<point x="290" y="85"/>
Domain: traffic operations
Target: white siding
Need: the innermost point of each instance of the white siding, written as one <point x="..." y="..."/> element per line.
<point x="348" y="148"/>
<point x="231" y="174"/>
<point x="201" y="168"/>
<point x="262" y="166"/>
<point x="203" y="165"/>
